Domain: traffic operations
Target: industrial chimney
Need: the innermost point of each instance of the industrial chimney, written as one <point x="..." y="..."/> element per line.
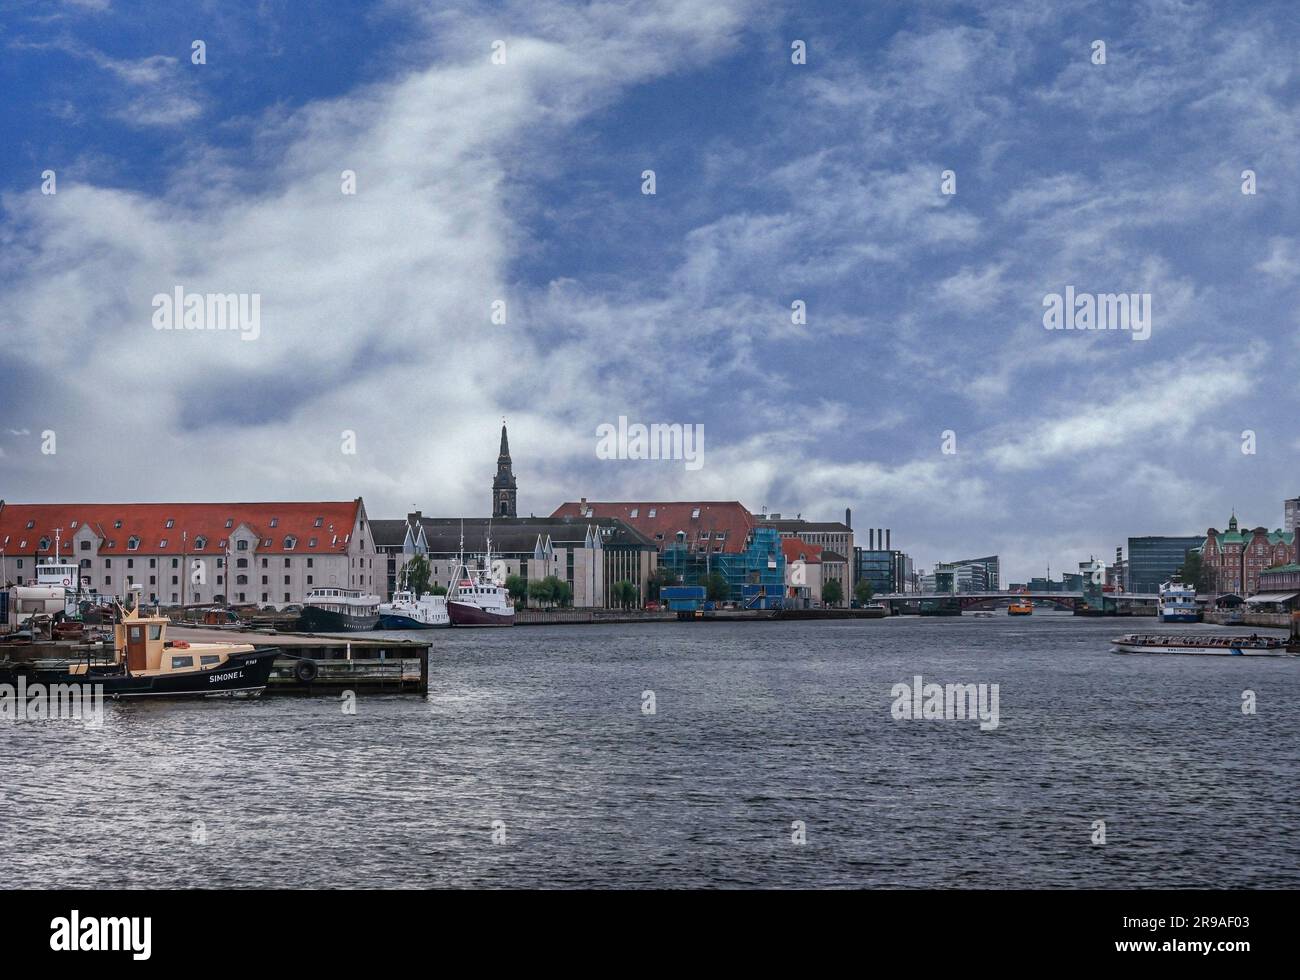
<point x="848" y="518"/>
<point x="887" y="536"/>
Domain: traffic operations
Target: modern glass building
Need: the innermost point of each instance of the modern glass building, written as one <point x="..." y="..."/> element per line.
<point x="1153" y="559"/>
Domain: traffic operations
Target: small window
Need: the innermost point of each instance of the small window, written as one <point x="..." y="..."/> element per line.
<point x="133" y="543"/>
<point x="208" y="659"/>
<point x="230" y="522"/>
<point x="241" y="545"/>
<point x="162" y="543"/>
<point x="117" y="523"/>
<point x="73" y="525"/>
<point x="275" y="522"/>
<point x="178" y="662"/>
<point x="85" y="546"/>
<point x="290" y="542"/>
<point x="318" y="522"/>
<point x="241" y="563"/>
<point x="266" y="543"/>
<point x="695" y="512"/>
<point x="311" y="543"/>
<point x="200" y="543"/>
<point x="170" y="522"/>
<point x="634" y="512"/>
<point x="44" y="544"/>
<point x="30" y="525"/>
<point x="155" y="631"/>
<point x="652" y="512"/>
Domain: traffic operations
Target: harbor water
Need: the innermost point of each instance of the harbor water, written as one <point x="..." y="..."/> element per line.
<point x="772" y="758"/>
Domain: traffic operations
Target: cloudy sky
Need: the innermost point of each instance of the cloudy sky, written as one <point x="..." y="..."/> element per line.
<point x="775" y="183"/>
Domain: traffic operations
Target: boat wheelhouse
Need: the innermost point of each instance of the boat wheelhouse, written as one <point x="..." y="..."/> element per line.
<point x="1177" y="603"/>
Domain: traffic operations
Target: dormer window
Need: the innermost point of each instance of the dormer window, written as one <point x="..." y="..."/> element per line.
<point x="162" y="543"/>
<point x="275" y="522"/>
<point x="73" y="525"/>
<point x="290" y="542"/>
<point x="170" y="522"/>
<point x="634" y="511"/>
<point x="30" y="525"/>
<point x="695" y="513"/>
<point x="318" y="522"/>
<point x="230" y="522"/>
<point x="200" y="543"/>
<point x="117" y="523"/>
<point x="133" y="543"/>
<point x="43" y="544"/>
<point x="652" y="512"/>
<point x="311" y="543"/>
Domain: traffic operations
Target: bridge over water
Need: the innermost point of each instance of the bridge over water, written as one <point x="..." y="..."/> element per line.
<point x="990" y="600"/>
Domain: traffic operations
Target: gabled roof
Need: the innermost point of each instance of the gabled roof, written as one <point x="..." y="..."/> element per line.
<point x="660" y="521"/>
<point x="796" y="548"/>
<point x="116" y="524"/>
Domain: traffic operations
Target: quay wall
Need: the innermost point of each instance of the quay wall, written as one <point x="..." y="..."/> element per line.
<point x="1276" y="620"/>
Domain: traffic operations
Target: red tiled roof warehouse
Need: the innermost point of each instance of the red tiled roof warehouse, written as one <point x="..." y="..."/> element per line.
<point x="317" y="527"/>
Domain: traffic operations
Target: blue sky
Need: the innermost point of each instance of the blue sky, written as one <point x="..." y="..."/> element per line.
<point x="776" y="182"/>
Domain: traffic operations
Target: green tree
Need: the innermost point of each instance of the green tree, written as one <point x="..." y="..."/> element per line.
<point x="832" y="592"/>
<point x="624" y="594"/>
<point x="1196" y="572"/>
<point x="517" y="588"/>
<point x="561" y="592"/>
<point x="660" y="578"/>
<point x="863" y="591"/>
<point x="541" y="591"/>
<point x="415" y="573"/>
<point x="437" y="589"/>
<point x="716" y="587"/>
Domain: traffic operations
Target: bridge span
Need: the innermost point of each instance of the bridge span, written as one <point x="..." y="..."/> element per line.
<point x="990" y="600"/>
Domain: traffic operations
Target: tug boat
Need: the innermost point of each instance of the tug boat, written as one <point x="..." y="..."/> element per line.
<point x="1203" y="644"/>
<point x="1020" y="607"/>
<point x="1177" y="603"/>
<point x="330" y="610"/>
<point x="147" y="664"/>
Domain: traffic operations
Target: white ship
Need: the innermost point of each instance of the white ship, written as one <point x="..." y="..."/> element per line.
<point x="406" y="612"/>
<point x="1178" y="603"/>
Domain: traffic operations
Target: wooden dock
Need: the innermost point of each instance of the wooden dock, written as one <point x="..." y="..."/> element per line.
<point x="338" y="663"/>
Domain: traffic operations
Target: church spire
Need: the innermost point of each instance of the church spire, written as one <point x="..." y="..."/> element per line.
<point x="503" y="486"/>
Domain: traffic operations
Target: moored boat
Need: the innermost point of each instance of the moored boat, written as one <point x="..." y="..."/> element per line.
<point x="1177" y="603"/>
<point x="476" y="598"/>
<point x="406" y="612"/>
<point x="1020" y="607"/>
<point x="146" y="664"/>
<point x="333" y="610"/>
<point x="1202" y="644"/>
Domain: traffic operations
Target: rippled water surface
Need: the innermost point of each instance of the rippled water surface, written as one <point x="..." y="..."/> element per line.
<point x="756" y="726"/>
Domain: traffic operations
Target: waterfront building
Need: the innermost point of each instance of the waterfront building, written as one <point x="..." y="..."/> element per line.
<point x="832" y="535"/>
<point x="803" y="572"/>
<point x="1282" y="582"/>
<point x="986" y="578"/>
<point x="1239" y="557"/>
<point x="266" y="553"/>
<point x="888" y="572"/>
<point x="697" y="538"/>
<point x="1153" y="560"/>
<point x="590" y="554"/>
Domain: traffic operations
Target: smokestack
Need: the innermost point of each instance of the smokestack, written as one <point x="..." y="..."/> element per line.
<point x="848" y="518"/>
<point x="871" y="539"/>
<point x="880" y="538"/>
<point x="887" y="535"/>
